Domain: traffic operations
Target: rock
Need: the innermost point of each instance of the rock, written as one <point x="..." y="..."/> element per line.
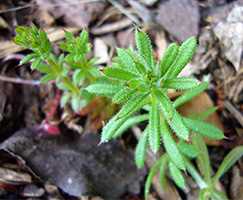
<point x="179" y="18"/>
<point x="77" y="165"/>
<point x="230" y="35"/>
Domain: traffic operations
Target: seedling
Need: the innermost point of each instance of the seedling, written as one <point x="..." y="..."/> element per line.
<point x="138" y="82"/>
<point x="71" y="71"/>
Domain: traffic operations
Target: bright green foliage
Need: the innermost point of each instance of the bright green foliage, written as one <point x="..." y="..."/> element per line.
<point x="71" y="71"/>
<point x="140" y="152"/>
<point x="139" y="83"/>
<point x="176" y="175"/>
<point x="229" y="161"/>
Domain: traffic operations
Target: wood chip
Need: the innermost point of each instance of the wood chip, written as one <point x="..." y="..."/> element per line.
<point x="12" y="177"/>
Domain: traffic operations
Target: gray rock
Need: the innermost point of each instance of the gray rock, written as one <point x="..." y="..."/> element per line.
<point x="77" y="165"/>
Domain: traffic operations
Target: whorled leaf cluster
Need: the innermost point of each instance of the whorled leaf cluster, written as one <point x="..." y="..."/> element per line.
<point x="140" y="84"/>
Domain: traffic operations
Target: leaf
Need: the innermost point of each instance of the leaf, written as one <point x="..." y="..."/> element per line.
<point x="218" y="195"/>
<point x="168" y="58"/>
<point x="118" y="73"/>
<point x="162" y="171"/>
<point x="129" y="123"/>
<point x="203" y="128"/>
<point x="228" y="162"/>
<point x="188" y="150"/>
<point x="154" y="124"/>
<point x="78" y="75"/>
<point x="27" y="59"/>
<point x="166" y="105"/>
<point x="46" y="78"/>
<point x="64" y="99"/>
<point x="36" y="63"/>
<point x="202" y="160"/>
<point x="144" y="47"/>
<point x="190" y="94"/>
<point x="75" y="102"/>
<point x="126" y="60"/>
<point x="136" y="102"/>
<point x="177" y="175"/>
<point x="103" y="89"/>
<point x="205" y="114"/>
<point x="123" y="95"/>
<point x="180" y="83"/>
<point x="140" y="152"/>
<point x="153" y="171"/>
<point x="139" y="61"/>
<point x="110" y="128"/>
<point x="184" y="55"/>
<point x="171" y="147"/>
<point x="195" y="175"/>
<point x="178" y="126"/>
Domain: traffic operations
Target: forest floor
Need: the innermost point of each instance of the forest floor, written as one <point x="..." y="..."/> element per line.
<point x="25" y="102"/>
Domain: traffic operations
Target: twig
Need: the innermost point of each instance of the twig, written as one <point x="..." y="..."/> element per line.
<point x="124" y="11"/>
<point x="53" y="5"/>
<point x="170" y="192"/>
<point x="234" y="112"/>
<point x="141" y="11"/>
<point x="107" y="28"/>
<point x="19" y="80"/>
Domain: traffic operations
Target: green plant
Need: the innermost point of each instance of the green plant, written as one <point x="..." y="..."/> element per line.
<point x="72" y="71"/>
<point x="139" y="83"/>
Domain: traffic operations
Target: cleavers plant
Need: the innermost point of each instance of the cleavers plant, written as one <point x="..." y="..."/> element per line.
<point x="72" y="71"/>
<point x="139" y="83"/>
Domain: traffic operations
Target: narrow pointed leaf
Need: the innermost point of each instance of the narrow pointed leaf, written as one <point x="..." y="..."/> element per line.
<point x="118" y="73"/>
<point x="178" y="126"/>
<point x="123" y="95"/>
<point x="180" y="83"/>
<point x="144" y="47"/>
<point x="229" y="161"/>
<point x="103" y="89"/>
<point x="162" y="171"/>
<point x="171" y="147"/>
<point x="126" y="60"/>
<point x="152" y="172"/>
<point x="190" y="94"/>
<point x="203" y="128"/>
<point x="26" y="59"/>
<point x="177" y="175"/>
<point x="218" y="195"/>
<point x="184" y="55"/>
<point x="141" y="148"/>
<point x="205" y="114"/>
<point x="135" y="103"/>
<point x="188" y="149"/>
<point x="202" y="160"/>
<point x="110" y="128"/>
<point x="154" y="127"/>
<point x="195" y="175"/>
<point x="166" y="105"/>
<point x="168" y="58"/>
<point x="129" y="123"/>
<point x="139" y="61"/>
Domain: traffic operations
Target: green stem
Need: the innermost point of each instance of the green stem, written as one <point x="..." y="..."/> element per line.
<point x="196" y="176"/>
